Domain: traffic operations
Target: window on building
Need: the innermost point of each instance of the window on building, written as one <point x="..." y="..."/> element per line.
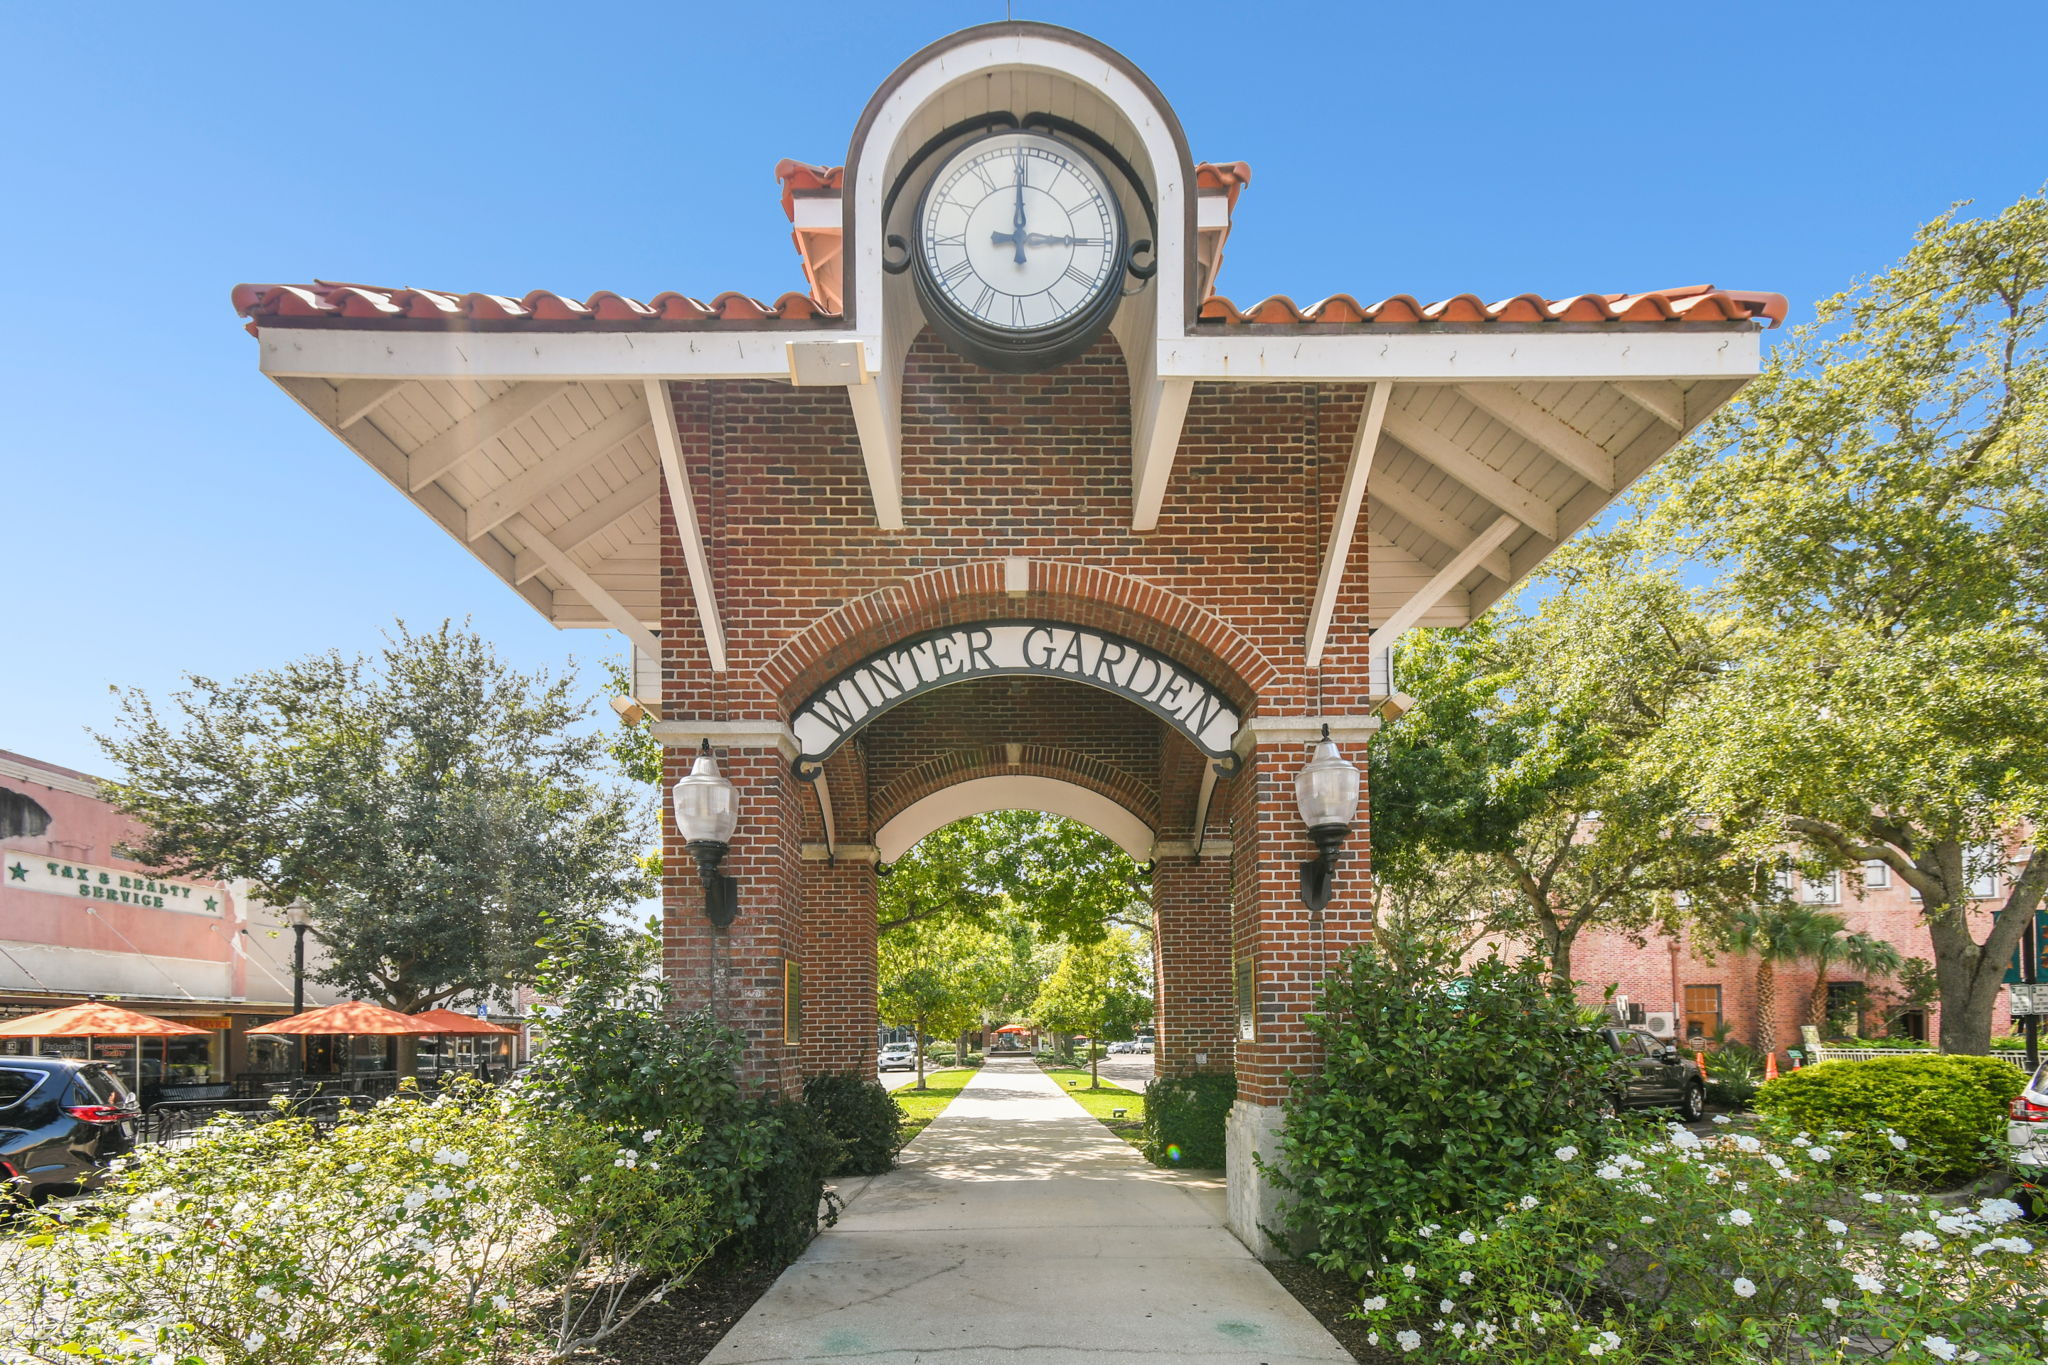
<point x="1846" y="1003"/>
<point x="21" y="817"/>
<point x="1912" y="1024"/>
<point x="1983" y="860"/>
<point x="1877" y="872"/>
<point x="1826" y="890"/>
<point x="1782" y="879"/>
<point x="1702" y="1011"/>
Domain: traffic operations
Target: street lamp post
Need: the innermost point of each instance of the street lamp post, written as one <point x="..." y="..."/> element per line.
<point x="1326" y="792"/>
<point x="300" y="916"/>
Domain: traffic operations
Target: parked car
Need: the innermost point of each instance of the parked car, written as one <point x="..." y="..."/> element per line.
<point x="897" y="1057"/>
<point x="1655" y="1074"/>
<point x="61" y="1123"/>
<point x="2026" y="1132"/>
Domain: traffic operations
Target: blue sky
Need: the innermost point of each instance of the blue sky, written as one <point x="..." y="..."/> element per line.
<point x="163" y="509"/>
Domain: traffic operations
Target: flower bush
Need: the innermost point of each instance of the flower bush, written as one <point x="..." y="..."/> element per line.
<point x="1951" y="1109"/>
<point x="1441" y="1085"/>
<point x="443" y="1232"/>
<point x="614" y="1054"/>
<point x="1735" y="1248"/>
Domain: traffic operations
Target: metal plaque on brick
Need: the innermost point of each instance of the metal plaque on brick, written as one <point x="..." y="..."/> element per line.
<point x="994" y="649"/>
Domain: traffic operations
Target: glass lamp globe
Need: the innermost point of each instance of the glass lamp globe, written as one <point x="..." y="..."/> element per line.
<point x="1326" y="789"/>
<point x="706" y="806"/>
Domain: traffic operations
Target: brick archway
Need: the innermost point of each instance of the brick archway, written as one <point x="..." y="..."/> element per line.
<point x="995" y="589"/>
<point x="1040" y="762"/>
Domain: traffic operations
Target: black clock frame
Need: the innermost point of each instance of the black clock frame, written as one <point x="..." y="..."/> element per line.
<point x="1003" y="349"/>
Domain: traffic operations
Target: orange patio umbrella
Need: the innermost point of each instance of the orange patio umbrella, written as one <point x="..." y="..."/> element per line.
<point x="451" y="1022"/>
<point x="93" y="1019"/>
<point x="354" y="1017"/>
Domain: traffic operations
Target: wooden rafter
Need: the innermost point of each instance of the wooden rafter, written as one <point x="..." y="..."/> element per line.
<point x="1444" y="580"/>
<point x="572" y="457"/>
<point x="1412" y="507"/>
<point x="1363" y="445"/>
<point x="1544" y="429"/>
<point x="580" y="580"/>
<point x="493" y="419"/>
<point x="1482" y="478"/>
<point x="581" y="529"/>
<point x="683" y="503"/>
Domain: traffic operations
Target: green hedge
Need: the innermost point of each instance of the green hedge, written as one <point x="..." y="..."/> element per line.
<point x="1951" y="1111"/>
<point x="1184" y="1118"/>
<point x="1444" y="1090"/>
<point x="861" y="1117"/>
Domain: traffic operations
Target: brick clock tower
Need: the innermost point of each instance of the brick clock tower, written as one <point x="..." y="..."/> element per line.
<point x="1011" y="509"/>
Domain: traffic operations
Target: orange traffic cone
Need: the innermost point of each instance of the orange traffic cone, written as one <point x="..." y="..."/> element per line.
<point x="1771" y="1066"/>
<point x="1700" y="1058"/>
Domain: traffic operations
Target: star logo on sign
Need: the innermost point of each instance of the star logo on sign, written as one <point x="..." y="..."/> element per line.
<point x="17" y="873"/>
<point x="212" y="904"/>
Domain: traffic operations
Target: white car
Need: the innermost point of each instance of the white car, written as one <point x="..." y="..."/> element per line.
<point x="897" y="1057"/>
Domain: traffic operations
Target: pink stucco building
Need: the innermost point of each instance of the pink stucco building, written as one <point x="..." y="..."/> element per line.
<point x="78" y="920"/>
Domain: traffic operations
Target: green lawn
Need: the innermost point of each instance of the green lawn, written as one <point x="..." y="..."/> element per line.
<point x="920" y="1107"/>
<point x="1104" y="1103"/>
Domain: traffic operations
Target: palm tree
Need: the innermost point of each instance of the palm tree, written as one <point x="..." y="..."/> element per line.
<point x="1778" y="934"/>
<point x="1864" y="954"/>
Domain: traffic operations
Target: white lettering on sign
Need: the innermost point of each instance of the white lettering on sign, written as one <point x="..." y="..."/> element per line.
<point x="24" y="871"/>
<point x="1000" y="648"/>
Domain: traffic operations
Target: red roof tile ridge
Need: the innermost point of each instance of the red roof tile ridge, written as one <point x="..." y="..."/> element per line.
<point x="1690" y="303"/>
<point x="362" y="302"/>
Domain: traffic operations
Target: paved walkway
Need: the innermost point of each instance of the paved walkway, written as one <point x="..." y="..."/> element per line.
<point x="1017" y="1229"/>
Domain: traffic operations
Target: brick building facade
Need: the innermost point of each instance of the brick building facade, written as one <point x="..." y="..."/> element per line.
<point x="1700" y="989"/>
<point x="780" y="504"/>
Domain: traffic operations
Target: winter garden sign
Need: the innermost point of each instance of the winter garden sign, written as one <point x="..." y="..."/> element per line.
<point x="993" y="649"/>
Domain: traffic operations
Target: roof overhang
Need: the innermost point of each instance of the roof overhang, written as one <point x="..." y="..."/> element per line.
<point x="539" y="433"/>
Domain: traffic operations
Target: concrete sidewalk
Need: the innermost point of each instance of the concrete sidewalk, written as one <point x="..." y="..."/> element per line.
<point x="1016" y="1229"/>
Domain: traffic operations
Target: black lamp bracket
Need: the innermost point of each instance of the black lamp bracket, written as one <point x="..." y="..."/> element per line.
<point x="721" y="892"/>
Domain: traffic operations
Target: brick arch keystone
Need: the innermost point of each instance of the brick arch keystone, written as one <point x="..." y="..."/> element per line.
<point x="1072" y="594"/>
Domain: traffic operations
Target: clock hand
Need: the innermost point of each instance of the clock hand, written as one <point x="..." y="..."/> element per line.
<point x="1041" y="239"/>
<point x="1018" y="224"/>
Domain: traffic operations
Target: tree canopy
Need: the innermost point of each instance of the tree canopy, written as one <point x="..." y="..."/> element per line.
<point x="433" y="806"/>
<point x="1100" y="988"/>
<point x="1874" y="506"/>
<point x="942" y="976"/>
<point x="1511" y="800"/>
<point x="1067" y="879"/>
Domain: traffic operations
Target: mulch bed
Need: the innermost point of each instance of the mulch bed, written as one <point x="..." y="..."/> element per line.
<point x="1330" y="1298"/>
<point x="682" y="1329"/>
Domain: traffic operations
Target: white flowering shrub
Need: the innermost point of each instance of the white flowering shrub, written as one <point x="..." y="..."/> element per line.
<point x="1732" y="1248"/>
<point x="420" y="1233"/>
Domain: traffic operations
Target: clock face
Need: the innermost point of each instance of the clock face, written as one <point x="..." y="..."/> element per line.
<point x="1020" y="238"/>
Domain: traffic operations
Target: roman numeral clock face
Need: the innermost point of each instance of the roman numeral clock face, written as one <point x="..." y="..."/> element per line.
<point x="1020" y="251"/>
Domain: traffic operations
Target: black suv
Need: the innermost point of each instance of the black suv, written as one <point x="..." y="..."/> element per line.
<point x="61" y="1123"/>
<point x="1654" y="1076"/>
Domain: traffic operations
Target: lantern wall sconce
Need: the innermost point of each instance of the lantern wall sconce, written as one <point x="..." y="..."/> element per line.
<point x="707" y="811"/>
<point x="1326" y="792"/>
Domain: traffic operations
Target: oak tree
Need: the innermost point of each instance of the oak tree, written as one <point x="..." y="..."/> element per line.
<point x="434" y="807"/>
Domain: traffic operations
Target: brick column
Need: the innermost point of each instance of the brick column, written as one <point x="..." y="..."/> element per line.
<point x="737" y="973"/>
<point x="839" y="1019"/>
<point x="1191" y="919"/>
<point x="1291" y="950"/>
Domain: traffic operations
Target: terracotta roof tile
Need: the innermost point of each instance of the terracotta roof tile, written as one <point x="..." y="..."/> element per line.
<point x="367" y="303"/>
<point x="801" y="178"/>
<point x="1694" y="303"/>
